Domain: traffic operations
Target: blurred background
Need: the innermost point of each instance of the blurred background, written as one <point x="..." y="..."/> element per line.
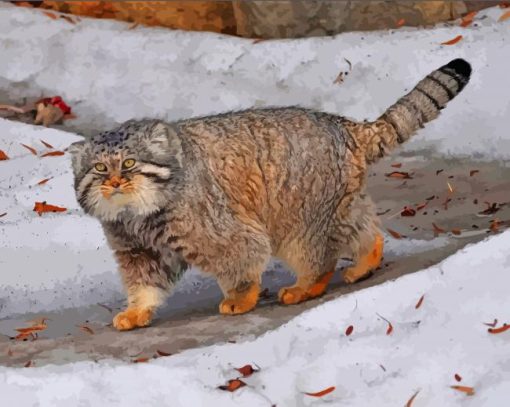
<point x="271" y="19"/>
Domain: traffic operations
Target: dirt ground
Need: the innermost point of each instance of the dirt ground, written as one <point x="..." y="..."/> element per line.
<point x="471" y="188"/>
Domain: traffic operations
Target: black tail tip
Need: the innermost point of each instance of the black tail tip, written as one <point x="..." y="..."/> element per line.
<point x="461" y="67"/>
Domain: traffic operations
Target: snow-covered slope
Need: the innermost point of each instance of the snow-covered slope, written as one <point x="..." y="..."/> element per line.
<point x="428" y="346"/>
<point x="109" y="73"/>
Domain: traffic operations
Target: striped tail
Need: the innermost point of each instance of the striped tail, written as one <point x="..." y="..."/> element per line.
<point x="418" y="107"/>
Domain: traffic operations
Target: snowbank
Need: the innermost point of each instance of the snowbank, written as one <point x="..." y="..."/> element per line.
<point x="445" y="336"/>
<point x="110" y="73"/>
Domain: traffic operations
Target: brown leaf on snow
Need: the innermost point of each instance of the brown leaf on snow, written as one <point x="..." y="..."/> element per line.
<point x="322" y="392"/>
<point x="161" y="353"/>
<point x="28" y="364"/>
<point x="31" y="149"/>
<point x="465" y="389"/>
<point x="505" y="16"/>
<point x="453" y="40"/>
<point x="86" y="328"/>
<point x="499" y="330"/>
<point x="397" y="165"/>
<point x="53" y="154"/>
<point x="50" y="15"/>
<point x="44" y="181"/>
<point x="457" y="232"/>
<point x="399" y="175"/>
<point x="232" y="385"/>
<point x="410" y="401"/>
<point x="141" y="360"/>
<point x="420" y="301"/>
<point x="246" y="370"/>
<point x="401" y="22"/>
<point x="3" y="156"/>
<point x="43" y="207"/>
<point x="349" y="330"/>
<point x="473" y="172"/>
<point x="491" y="324"/>
<point x="457" y="377"/>
<point x="494" y="227"/>
<point x="408" y="212"/>
<point x="437" y="229"/>
<point x="3" y="214"/>
<point x="46" y="144"/>
<point x="396" y="235"/>
<point x="468" y="18"/>
<point x="390" y="326"/>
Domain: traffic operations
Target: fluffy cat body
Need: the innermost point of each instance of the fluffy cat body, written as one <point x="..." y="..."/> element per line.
<point x="225" y="193"/>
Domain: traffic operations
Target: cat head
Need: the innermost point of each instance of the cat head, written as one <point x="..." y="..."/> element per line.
<point x="131" y="170"/>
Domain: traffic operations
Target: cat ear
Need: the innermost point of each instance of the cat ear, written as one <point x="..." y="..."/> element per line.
<point x="164" y="142"/>
<point x="76" y="148"/>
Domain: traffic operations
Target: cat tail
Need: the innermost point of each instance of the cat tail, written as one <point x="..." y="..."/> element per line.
<point x="412" y="111"/>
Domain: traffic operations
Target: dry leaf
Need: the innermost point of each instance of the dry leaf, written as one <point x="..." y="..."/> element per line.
<point x="408" y="212"/>
<point x="491" y="324"/>
<point x="68" y="19"/>
<point x="457" y="377"/>
<point x="86" y="328"/>
<point x="31" y="331"/>
<point x="53" y="154"/>
<point x="46" y="144"/>
<point x="494" y="227"/>
<point x="465" y="389"/>
<point x="141" y="360"/>
<point x="339" y="79"/>
<point x="421" y="206"/>
<point x="457" y="232"/>
<point x="437" y="229"/>
<point x="390" y="326"/>
<point x="246" y="370"/>
<point x="499" y="330"/>
<point x="3" y="156"/>
<point x="473" y="172"/>
<point x="397" y="165"/>
<point x="3" y="214"/>
<point x="42" y="207"/>
<point x="161" y="353"/>
<point x="453" y="40"/>
<point x="399" y="174"/>
<point x="430" y="198"/>
<point x="44" y="181"/>
<point x="491" y="209"/>
<point x="468" y="18"/>
<point x="349" y="330"/>
<point x="28" y="364"/>
<point x="50" y="15"/>
<point x="322" y="392"/>
<point x="401" y="22"/>
<point x="233" y="385"/>
<point x="439" y="172"/>
<point x="31" y="149"/>
<point x="396" y="235"/>
<point x="505" y="16"/>
<point x="410" y="401"/>
<point x="420" y="301"/>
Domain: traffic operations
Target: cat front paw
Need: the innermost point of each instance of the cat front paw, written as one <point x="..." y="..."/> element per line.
<point x="132" y="318"/>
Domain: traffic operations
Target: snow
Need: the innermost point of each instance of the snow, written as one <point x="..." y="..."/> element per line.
<point x="427" y="347"/>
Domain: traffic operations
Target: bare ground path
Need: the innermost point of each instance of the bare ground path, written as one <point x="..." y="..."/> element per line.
<point x="191" y="319"/>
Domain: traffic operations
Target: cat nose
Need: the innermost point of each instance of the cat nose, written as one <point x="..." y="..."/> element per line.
<point x="115" y="181"/>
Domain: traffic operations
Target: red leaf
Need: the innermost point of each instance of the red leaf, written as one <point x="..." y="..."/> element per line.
<point x="50" y="15"/>
<point x="233" y="385"/>
<point x="390" y="326"/>
<point x="396" y="235"/>
<point x="437" y="229"/>
<point x="410" y="401"/>
<point x="401" y="22"/>
<point x="399" y="174"/>
<point x="465" y="389"/>
<point x="322" y="392"/>
<point x="246" y="370"/>
<point x="420" y="301"/>
<point x="499" y="330"/>
<point x="141" y="360"/>
<point x="457" y="232"/>
<point x="31" y="149"/>
<point x="408" y="212"/>
<point x="161" y="353"/>
<point x="3" y="156"/>
<point x="457" y="377"/>
<point x="53" y="154"/>
<point x="44" y="181"/>
<point x="468" y="19"/>
<point x="349" y="330"/>
<point x="42" y="207"/>
<point x="421" y="206"/>
<point x="453" y="40"/>
<point x="46" y="144"/>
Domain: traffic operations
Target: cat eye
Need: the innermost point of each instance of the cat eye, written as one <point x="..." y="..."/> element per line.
<point x="100" y="167"/>
<point x="129" y="163"/>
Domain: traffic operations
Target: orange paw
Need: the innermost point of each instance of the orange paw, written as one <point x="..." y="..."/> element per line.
<point x="132" y="318"/>
<point x="240" y="302"/>
<point x="297" y="294"/>
<point x="367" y="263"/>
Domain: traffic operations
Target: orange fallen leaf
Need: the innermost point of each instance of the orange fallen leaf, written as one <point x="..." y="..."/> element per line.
<point x="396" y="235"/>
<point x="31" y="149"/>
<point x="453" y="40"/>
<point x="410" y="401"/>
<point x="50" y="15"/>
<point x="46" y="144"/>
<point x="437" y="229"/>
<point x="86" y="328"/>
<point x="401" y="22"/>
<point x="399" y="174"/>
<point x="349" y="330"/>
<point x="161" y="353"/>
<point x="499" y="330"/>
<point x="468" y="18"/>
<point x="322" y="392"/>
<point x="420" y="301"/>
<point x="28" y="364"/>
<point x="44" y="181"/>
<point x="390" y="326"/>
<point x="141" y="360"/>
<point x="397" y="165"/>
<point x="494" y="227"/>
<point x="246" y="370"/>
<point x="30" y="331"/>
<point x="53" y="154"/>
<point x="457" y="377"/>
<point x="3" y="156"/>
<point x="505" y="16"/>
<point x="233" y="385"/>
<point x="42" y="207"/>
<point x="457" y="232"/>
<point x="465" y="389"/>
